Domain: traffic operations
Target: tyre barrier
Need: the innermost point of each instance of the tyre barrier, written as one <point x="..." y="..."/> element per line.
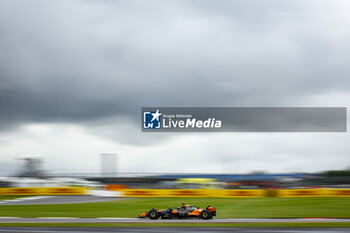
<point x="229" y="193"/>
<point x="194" y="192"/>
<point x="236" y="193"/>
<point x="44" y="191"/>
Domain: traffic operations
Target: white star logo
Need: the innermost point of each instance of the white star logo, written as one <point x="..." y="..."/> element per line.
<point x="156" y="115"/>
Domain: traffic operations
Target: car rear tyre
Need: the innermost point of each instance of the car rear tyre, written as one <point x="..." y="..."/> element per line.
<point x="205" y="214"/>
<point x="153" y="214"/>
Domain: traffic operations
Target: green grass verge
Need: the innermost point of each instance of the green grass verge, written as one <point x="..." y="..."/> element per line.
<point x="253" y="225"/>
<point x="315" y="207"/>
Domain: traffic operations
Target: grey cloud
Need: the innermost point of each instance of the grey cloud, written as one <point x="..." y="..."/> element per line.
<point x="86" y="61"/>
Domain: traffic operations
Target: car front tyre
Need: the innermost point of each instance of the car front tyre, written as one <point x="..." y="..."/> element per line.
<point x="153" y="214"/>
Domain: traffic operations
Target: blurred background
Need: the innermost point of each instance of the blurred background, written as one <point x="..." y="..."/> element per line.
<point x="32" y="179"/>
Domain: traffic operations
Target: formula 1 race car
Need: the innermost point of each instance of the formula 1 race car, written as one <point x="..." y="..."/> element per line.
<point x="185" y="211"/>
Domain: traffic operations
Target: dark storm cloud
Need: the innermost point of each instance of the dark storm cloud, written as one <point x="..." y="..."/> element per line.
<point x="85" y="61"/>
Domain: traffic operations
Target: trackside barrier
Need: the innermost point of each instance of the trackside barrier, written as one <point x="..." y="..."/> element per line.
<point x="44" y="191"/>
<point x="314" y="193"/>
<point x="235" y="193"/>
<point x="302" y="193"/>
<point x="193" y="192"/>
<point x="338" y="192"/>
<point x="184" y="192"/>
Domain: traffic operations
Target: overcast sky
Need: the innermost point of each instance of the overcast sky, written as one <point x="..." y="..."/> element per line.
<point x="75" y="74"/>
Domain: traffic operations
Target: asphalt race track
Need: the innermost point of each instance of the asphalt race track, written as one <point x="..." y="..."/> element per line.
<point x="168" y="230"/>
<point x="159" y="229"/>
<point x="36" y="200"/>
<point x="135" y="220"/>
